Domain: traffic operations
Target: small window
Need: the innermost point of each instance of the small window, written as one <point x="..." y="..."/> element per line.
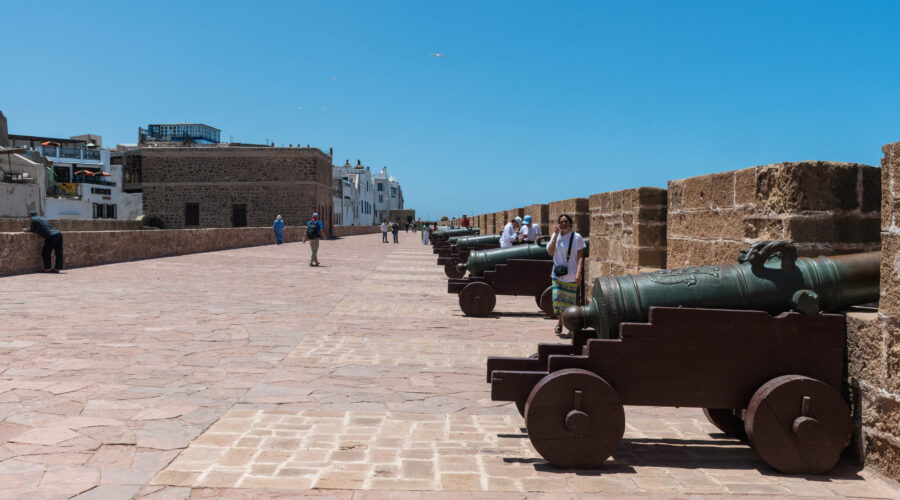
<point x="239" y="215"/>
<point x="191" y="214"/>
<point x="380" y="198"/>
<point x="381" y="187"/>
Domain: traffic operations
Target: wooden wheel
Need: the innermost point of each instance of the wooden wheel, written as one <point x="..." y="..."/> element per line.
<point x="546" y="303"/>
<point x="727" y="421"/>
<point x="798" y="425"/>
<point x="450" y="268"/>
<point x="574" y="419"/>
<point x="477" y="299"/>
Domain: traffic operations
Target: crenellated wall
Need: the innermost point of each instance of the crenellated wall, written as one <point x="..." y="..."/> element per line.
<point x="540" y="215"/>
<point x="577" y="208"/>
<point x="628" y="232"/>
<point x="21" y="252"/>
<point x="823" y="207"/>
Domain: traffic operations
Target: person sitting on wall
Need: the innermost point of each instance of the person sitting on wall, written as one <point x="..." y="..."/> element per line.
<point x="530" y="232"/>
<point x="508" y="237"/>
<point x="53" y="241"/>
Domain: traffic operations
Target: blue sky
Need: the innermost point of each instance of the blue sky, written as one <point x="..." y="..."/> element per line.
<point x="535" y="101"/>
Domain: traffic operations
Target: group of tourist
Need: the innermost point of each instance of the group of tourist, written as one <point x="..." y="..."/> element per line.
<point x="519" y="230"/>
<point x="393" y="227"/>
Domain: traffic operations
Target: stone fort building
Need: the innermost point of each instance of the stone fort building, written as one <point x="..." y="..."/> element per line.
<point x="234" y="186"/>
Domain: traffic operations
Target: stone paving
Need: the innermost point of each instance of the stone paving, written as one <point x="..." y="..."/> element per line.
<point x="248" y="374"/>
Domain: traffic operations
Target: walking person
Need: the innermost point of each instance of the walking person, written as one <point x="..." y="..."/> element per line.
<point x="567" y="266"/>
<point x="395" y="230"/>
<point x="278" y="226"/>
<point x="314" y="231"/>
<point x="384" y="230"/>
<point x="53" y="241"/>
<point x="426" y="234"/>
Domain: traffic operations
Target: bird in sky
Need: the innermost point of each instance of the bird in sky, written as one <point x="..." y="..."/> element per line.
<point x="438" y="54"/>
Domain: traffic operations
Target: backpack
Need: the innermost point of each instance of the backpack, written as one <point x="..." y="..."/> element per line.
<point x="312" y="229"/>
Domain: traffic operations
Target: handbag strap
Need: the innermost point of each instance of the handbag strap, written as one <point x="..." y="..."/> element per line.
<point x="569" y="251"/>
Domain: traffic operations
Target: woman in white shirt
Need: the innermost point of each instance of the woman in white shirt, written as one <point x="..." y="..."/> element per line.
<point x="510" y="233"/>
<point x="567" y="248"/>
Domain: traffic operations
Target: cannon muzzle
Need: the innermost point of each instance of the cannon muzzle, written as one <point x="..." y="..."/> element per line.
<point x="768" y="277"/>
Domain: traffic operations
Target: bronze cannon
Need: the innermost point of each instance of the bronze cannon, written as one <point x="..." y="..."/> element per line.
<point x="749" y="343"/>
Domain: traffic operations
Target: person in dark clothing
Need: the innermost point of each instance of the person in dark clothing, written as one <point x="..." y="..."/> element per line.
<point x="395" y="228"/>
<point x="53" y="241"/>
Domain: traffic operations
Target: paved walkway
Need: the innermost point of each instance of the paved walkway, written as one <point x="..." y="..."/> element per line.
<point x="248" y="374"/>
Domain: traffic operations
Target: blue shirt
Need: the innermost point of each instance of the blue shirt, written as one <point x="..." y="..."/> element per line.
<point x="278" y="225"/>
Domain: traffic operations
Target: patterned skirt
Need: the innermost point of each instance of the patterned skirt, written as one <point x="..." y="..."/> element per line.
<point x="563" y="295"/>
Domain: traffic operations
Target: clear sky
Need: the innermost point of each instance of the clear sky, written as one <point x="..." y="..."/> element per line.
<point x="534" y="102"/>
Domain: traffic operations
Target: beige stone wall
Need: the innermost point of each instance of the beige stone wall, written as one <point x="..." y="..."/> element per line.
<point x="490" y="222"/>
<point x="873" y="341"/>
<point x="628" y="232"/>
<point x="16" y="224"/>
<point x="293" y="182"/>
<point x="825" y="208"/>
<point x="341" y="231"/>
<point x="514" y="212"/>
<point x="540" y="215"/>
<point x="500" y="221"/>
<point x="21" y="252"/>
<point x="575" y="207"/>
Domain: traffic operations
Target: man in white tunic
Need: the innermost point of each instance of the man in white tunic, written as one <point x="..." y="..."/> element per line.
<point x="510" y="231"/>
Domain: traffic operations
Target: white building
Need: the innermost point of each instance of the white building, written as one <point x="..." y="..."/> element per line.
<point x="21" y="183"/>
<point x="387" y="196"/>
<point x="79" y="182"/>
<point x="352" y="189"/>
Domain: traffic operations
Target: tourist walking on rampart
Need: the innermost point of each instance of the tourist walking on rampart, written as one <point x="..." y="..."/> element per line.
<point x="314" y="231"/>
<point x="426" y="234"/>
<point x="567" y="266"/>
<point x="384" y="230"/>
<point x="395" y="230"/>
<point x="278" y="226"/>
<point x="510" y="233"/>
<point x="529" y="232"/>
<point x="53" y="241"/>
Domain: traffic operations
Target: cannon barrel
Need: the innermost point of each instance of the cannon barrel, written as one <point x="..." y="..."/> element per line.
<point x="443" y="235"/>
<point x="461" y="243"/>
<point x="768" y="277"/>
<point x="485" y="260"/>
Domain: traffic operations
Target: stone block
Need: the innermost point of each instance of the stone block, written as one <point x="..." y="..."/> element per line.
<point x="678" y="252"/>
<point x="810" y="185"/>
<point x="890" y="175"/>
<point x="879" y="411"/>
<point x="889" y="303"/>
<point x="883" y="455"/>
<point x="650" y="257"/>
<point x="722" y="190"/>
<point x="726" y="252"/>
<point x="763" y="227"/>
<point x="649" y="234"/>
<point x="892" y="358"/>
<point x="832" y="228"/>
<point x="650" y="196"/>
<point x="745" y="187"/>
<point x="675" y="195"/>
<point x="702" y="253"/>
<point x="864" y="347"/>
<point x="698" y="192"/>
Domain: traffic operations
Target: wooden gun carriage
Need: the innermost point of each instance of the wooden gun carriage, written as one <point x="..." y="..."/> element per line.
<point x="777" y="377"/>
<point x="478" y="294"/>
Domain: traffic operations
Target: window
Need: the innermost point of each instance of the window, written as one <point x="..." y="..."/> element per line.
<point x="380" y="186"/>
<point x="380" y="198"/>
<point x="239" y="215"/>
<point x="191" y="214"/>
<point x="393" y="192"/>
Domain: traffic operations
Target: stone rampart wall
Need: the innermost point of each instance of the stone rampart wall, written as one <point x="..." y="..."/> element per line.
<point x="873" y="341"/>
<point x="825" y="208"/>
<point x="540" y="215"/>
<point x="20" y="252"/>
<point x="628" y="232"/>
<point x="577" y="208"/>
<point x="13" y="225"/>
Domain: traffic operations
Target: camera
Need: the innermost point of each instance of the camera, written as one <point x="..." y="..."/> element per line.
<point x="561" y="270"/>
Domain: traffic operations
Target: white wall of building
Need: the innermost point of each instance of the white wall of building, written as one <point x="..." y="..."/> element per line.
<point x="355" y="201"/>
<point x="16" y="200"/>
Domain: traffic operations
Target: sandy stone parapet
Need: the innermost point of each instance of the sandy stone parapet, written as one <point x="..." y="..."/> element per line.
<point x="21" y="252"/>
<point x="577" y="208"/>
<point x="825" y="208"/>
<point x="14" y="225"/>
<point x="873" y="342"/>
<point x="628" y="232"/>
<point x="540" y="215"/>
